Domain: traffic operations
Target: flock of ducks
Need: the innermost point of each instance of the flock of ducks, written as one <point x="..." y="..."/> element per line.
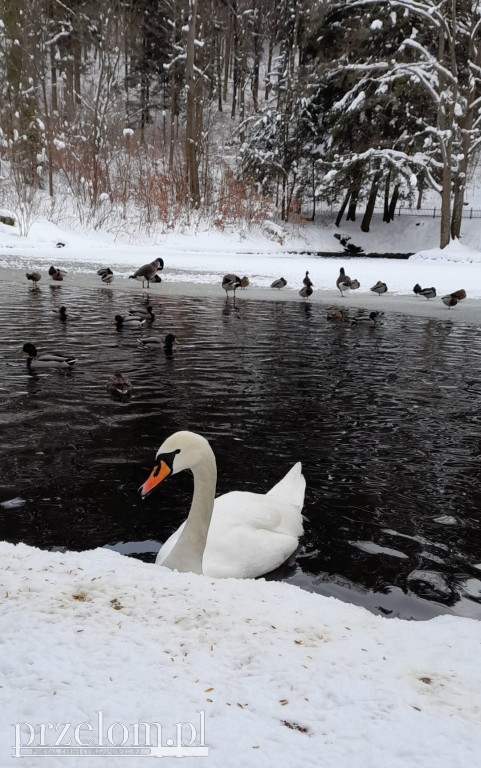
<point x="118" y="385"/>
<point x="345" y="284"/>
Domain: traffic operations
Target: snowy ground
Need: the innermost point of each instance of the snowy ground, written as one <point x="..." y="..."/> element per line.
<point x="283" y="677"/>
<point x="196" y="262"/>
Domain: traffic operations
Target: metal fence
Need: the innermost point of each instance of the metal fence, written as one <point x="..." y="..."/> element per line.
<point x="404" y="210"/>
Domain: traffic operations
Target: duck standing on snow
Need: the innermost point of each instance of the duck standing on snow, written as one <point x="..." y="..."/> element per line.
<point x="306" y="291"/>
<point x="428" y="293"/>
<point x="230" y="282"/>
<point x="46" y="360"/>
<point x="280" y="283"/>
<point x="344" y="282"/>
<point x="307" y="281"/>
<point x="379" y="288"/>
<point x="244" y="282"/>
<point x="34" y="277"/>
<point x="451" y="299"/>
<point x="148" y="272"/>
<point x="238" y="535"/>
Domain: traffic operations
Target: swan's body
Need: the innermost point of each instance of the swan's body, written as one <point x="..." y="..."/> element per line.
<point x="237" y="535"/>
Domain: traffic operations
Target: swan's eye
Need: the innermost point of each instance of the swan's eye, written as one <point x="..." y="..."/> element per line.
<point x="166" y="458"/>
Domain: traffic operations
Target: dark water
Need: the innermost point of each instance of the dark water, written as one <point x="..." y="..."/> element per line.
<point x="385" y="420"/>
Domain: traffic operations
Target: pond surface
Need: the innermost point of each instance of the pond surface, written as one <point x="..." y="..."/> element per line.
<point x="385" y="420"/>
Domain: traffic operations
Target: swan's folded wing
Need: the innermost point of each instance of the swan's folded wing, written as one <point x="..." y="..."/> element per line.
<point x="249" y="535"/>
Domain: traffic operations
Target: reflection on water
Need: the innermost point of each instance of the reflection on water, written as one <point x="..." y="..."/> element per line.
<point x="385" y="421"/>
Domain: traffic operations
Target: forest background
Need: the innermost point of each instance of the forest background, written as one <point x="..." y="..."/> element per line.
<point x="135" y="115"/>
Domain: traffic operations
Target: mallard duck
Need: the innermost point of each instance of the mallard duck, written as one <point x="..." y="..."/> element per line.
<point x="451" y="299"/>
<point x="230" y="282"/>
<point x="244" y="282"/>
<point x="236" y="535"/>
<point x="157" y="341"/>
<point x="428" y="293"/>
<point x="417" y="289"/>
<point x="280" y="283"/>
<point x="355" y="284"/>
<point x="34" y="277"/>
<point x="169" y="341"/>
<point x="128" y="322"/>
<point x="306" y="291"/>
<point x="144" y="312"/>
<point x="61" y="313"/>
<point x="119" y="385"/>
<point x="337" y="315"/>
<point x="370" y="320"/>
<point x="106" y="274"/>
<point x="46" y="360"/>
<point x="148" y="272"/>
<point x="379" y="288"/>
<point x="56" y="274"/>
<point x="307" y="280"/>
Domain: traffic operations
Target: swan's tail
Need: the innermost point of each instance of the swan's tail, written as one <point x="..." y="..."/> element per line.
<point x="291" y="490"/>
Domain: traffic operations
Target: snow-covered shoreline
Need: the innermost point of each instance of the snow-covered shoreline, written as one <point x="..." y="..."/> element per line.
<point x="283" y="676"/>
<point x="467" y="311"/>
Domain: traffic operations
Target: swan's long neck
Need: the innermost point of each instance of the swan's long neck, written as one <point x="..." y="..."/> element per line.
<point x="186" y="556"/>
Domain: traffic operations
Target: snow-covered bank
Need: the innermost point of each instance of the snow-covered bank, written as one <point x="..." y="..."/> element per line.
<point x="283" y="676"/>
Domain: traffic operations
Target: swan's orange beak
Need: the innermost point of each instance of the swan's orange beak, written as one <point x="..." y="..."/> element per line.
<point x="159" y="473"/>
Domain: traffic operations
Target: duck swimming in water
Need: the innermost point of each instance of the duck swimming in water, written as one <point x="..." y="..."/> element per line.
<point x="119" y="385"/>
<point x="45" y="360"/>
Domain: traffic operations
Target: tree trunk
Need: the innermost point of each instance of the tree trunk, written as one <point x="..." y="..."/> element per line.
<point x="393" y="203"/>
<point x="387" y="185"/>
<point x="191" y="159"/>
<point x="355" y="189"/>
<point x="366" y="221"/>
<point x="343" y="208"/>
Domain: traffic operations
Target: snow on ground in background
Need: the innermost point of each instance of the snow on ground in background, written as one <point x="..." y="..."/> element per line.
<point x="284" y="677"/>
<point x="204" y="256"/>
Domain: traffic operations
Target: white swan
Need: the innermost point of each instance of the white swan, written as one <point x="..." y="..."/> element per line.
<point x="238" y="535"/>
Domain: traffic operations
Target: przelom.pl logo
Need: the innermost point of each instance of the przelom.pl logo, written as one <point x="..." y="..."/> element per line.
<point x="97" y="739"/>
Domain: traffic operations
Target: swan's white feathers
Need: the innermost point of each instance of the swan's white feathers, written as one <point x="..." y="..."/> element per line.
<point x="249" y="534"/>
<point x="233" y="529"/>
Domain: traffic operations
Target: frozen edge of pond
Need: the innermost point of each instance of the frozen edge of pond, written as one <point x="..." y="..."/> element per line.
<point x="467" y="311"/>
